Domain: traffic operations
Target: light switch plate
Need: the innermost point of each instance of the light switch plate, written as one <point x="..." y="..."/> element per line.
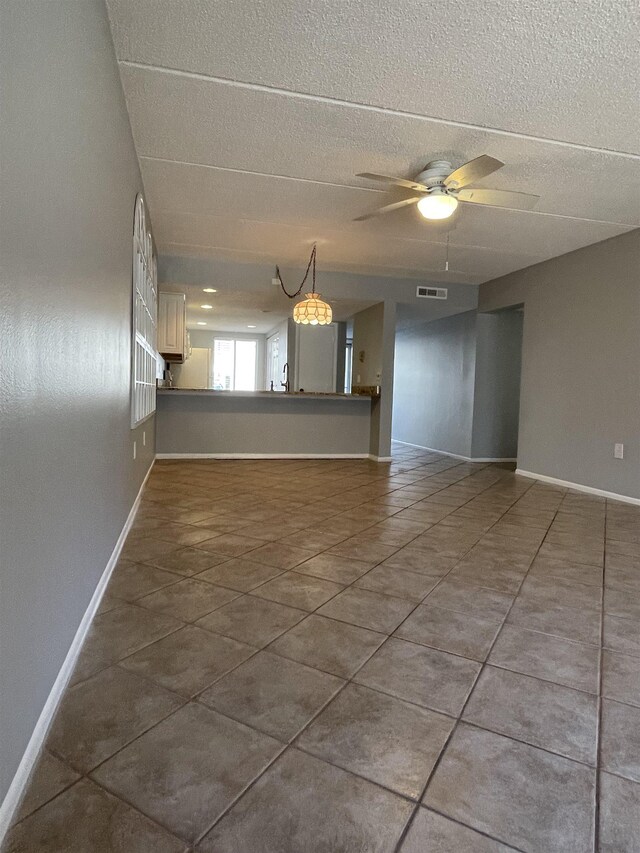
<point x="618" y="451"/>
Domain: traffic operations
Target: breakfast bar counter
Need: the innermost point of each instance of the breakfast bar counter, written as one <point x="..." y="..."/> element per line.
<point x="255" y="424"/>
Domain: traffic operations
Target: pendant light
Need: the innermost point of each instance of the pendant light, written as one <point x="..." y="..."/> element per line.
<point x="313" y="310"/>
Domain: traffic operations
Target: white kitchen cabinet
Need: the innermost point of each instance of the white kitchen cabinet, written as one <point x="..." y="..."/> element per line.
<point x="172" y="327"/>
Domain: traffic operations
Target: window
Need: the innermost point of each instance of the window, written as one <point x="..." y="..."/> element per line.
<point x="144" y="319"/>
<point x="234" y="364"/>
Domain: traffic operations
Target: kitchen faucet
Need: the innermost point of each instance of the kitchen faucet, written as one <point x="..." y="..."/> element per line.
<point x="285" y="373"/>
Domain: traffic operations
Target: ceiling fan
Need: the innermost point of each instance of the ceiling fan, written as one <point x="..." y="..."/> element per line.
<point x="441" y="187"/>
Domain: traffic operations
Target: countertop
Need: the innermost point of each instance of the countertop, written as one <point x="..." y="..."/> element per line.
<point x="271" y="395"/>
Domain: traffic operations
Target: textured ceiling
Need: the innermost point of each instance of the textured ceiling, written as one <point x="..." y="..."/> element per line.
<point x="251" y="120"/>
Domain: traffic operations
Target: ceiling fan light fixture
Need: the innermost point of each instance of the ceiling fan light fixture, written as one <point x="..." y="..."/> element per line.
<point x="437" y="205"/>
<point x="312" y="311"/>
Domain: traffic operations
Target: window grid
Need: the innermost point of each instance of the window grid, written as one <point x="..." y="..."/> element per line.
<point x="145" y="311"/>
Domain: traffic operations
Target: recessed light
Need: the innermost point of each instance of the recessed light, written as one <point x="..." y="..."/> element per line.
<point x="201" y="323"/>
<point x="208" y="307"/>
<point x="251" y="327"/>
<point x="209" y="290"/>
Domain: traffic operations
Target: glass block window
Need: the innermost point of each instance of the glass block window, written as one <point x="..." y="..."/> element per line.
<point x="145" y="314"/>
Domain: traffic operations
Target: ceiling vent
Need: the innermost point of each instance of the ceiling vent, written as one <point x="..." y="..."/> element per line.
<point x="431" y="292"/>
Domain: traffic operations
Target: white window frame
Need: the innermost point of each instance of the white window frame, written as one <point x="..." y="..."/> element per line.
<point x="235" y="340"/>
<point x="144" y="319"/>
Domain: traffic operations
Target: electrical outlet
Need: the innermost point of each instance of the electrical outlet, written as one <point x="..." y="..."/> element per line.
<point x="134" y="450"/>
<point x="618" y="451"/>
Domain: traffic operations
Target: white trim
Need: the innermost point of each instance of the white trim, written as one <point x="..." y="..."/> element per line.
<point x="267" y="456"/>
<point x="578" y="487"/>
<point x="20" y="780"/>
<point x="457" y="455"/>
<point x="380" y="458"/>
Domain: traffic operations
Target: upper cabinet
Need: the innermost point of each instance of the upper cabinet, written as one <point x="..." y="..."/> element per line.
<point x="173" y="338"/>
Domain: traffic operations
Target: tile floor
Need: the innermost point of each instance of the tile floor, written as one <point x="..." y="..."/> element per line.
<point x="424" y="656"/>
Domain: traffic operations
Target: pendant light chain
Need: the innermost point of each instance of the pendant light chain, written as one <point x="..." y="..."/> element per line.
<point x="310" y="266"/>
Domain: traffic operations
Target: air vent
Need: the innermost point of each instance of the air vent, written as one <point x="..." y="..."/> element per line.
<point x="431" y="292"/>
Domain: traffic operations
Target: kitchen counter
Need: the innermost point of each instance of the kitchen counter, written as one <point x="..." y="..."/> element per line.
<point x="270" y="395"/>
<point x="261" y="424"/>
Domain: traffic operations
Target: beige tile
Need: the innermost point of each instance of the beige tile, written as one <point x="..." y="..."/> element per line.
<point x="86" y="819"/>
<point x="467" y="598"/>
<point x="239" y="574"/>
<point x="425" y="676"/>
<point x="326" y="644"/>
<point x="189" y="660"/>
<point x="450" y="631"/>
<point x="296" y="590"/>
<point x="619" y="815"/>
<point x="479" y="782"/>
<point x="188" y="561"/>
<point x="272" y="694"/>
<point x="49" y="778"/>
<point x="422" y="561"/>
<point x="230" y="543"/>
<point x="189" y="599"/>
<point x="621" y="677"/>
<point x="360" y="548"/>
<point x="409" y="585"/>
<point x="550" y="617"/>
<point x="280" y="556"/>
<point x="622" y="635"/>
<point x="135" y="580"/>
<point x="547" y="715"/>
<point x="368" y="609"/>
<point x="382" y="738"/>
<point x="118" y="633"/>
<point x="99" y="716"/>
<point x="252" y="620"/>
<point x="303" y="804"/>
<point x="550" y="658"/>
<point x="620" y="739"/>
<point x="331" y="567"/>
<point x="433" y="833"/>
<point x="185" y="771"/>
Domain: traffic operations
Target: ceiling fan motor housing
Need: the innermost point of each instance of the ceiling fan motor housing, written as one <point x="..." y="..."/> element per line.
<point x="434" y="173"/>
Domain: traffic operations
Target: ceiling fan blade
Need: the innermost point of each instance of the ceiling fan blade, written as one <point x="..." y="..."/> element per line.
<point x="473" y="171"/>
<point x="499" y="198"/>
<point x="389" y="179"/>
<point x="388" y="208"/>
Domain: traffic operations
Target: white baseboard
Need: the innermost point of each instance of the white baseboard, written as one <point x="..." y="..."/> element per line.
<point x="457" y="455"/>
<point x="267" y="456"/>
<point x="578" y="487"/>
<point x="19" y="783"/>
<point x="375" y="458"/>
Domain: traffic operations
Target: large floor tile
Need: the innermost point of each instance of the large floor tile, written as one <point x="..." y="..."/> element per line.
<point x="620" y="739"/>
<point x="361" y="548"/>
<point x="621" y="677"/>
<point x="99" y="716"/>
<point x="280" y="556"/>
<point x="382" y="738"/>
<point x="550" y="658"/>
<point x="619" y="815"/>
<point x="329" y="645"/>
<point x="188" y="561"/>
<point x="408" y="585"/>
<point x="332" y="567"/>
<point x="555" y="618"/>
<point x="273" y="694"/>
<point x="516" y="793"/>
<point x="239" y="574"/>
<point x="49" y="778"/>
<point x="86" y="819"/>
<point x="119" y="633"/>
<point x="621" y="635"/>
<point x="548" y="715"/>
<point x="301" y="591"/>
<point x="428" y="677"/>
<point x="368" y="609"/>
<point x="188" y="769"/>
<point x="252" y="620"/>
<point x="619" y="602"/>
<point x="303" y="804"/>
<point x="422" y="561"/>
<point x="189" y="599"/>
<point x="432" y="833"/>
<point x="468" y="598"/>
<point x="232" y="544"/>
<point x="450" y="631"/>
<point x="132" y="581"/>
<point x="189" y="660"/>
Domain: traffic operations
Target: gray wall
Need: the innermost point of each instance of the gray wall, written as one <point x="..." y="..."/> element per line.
<point x="272" y="424"/>
<point x="69" y="177"/>
<point x="367" y="345"/>
<point x="496" y="401"/>
<point x="434" y="384"/>
<point x="580" y="389"/>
